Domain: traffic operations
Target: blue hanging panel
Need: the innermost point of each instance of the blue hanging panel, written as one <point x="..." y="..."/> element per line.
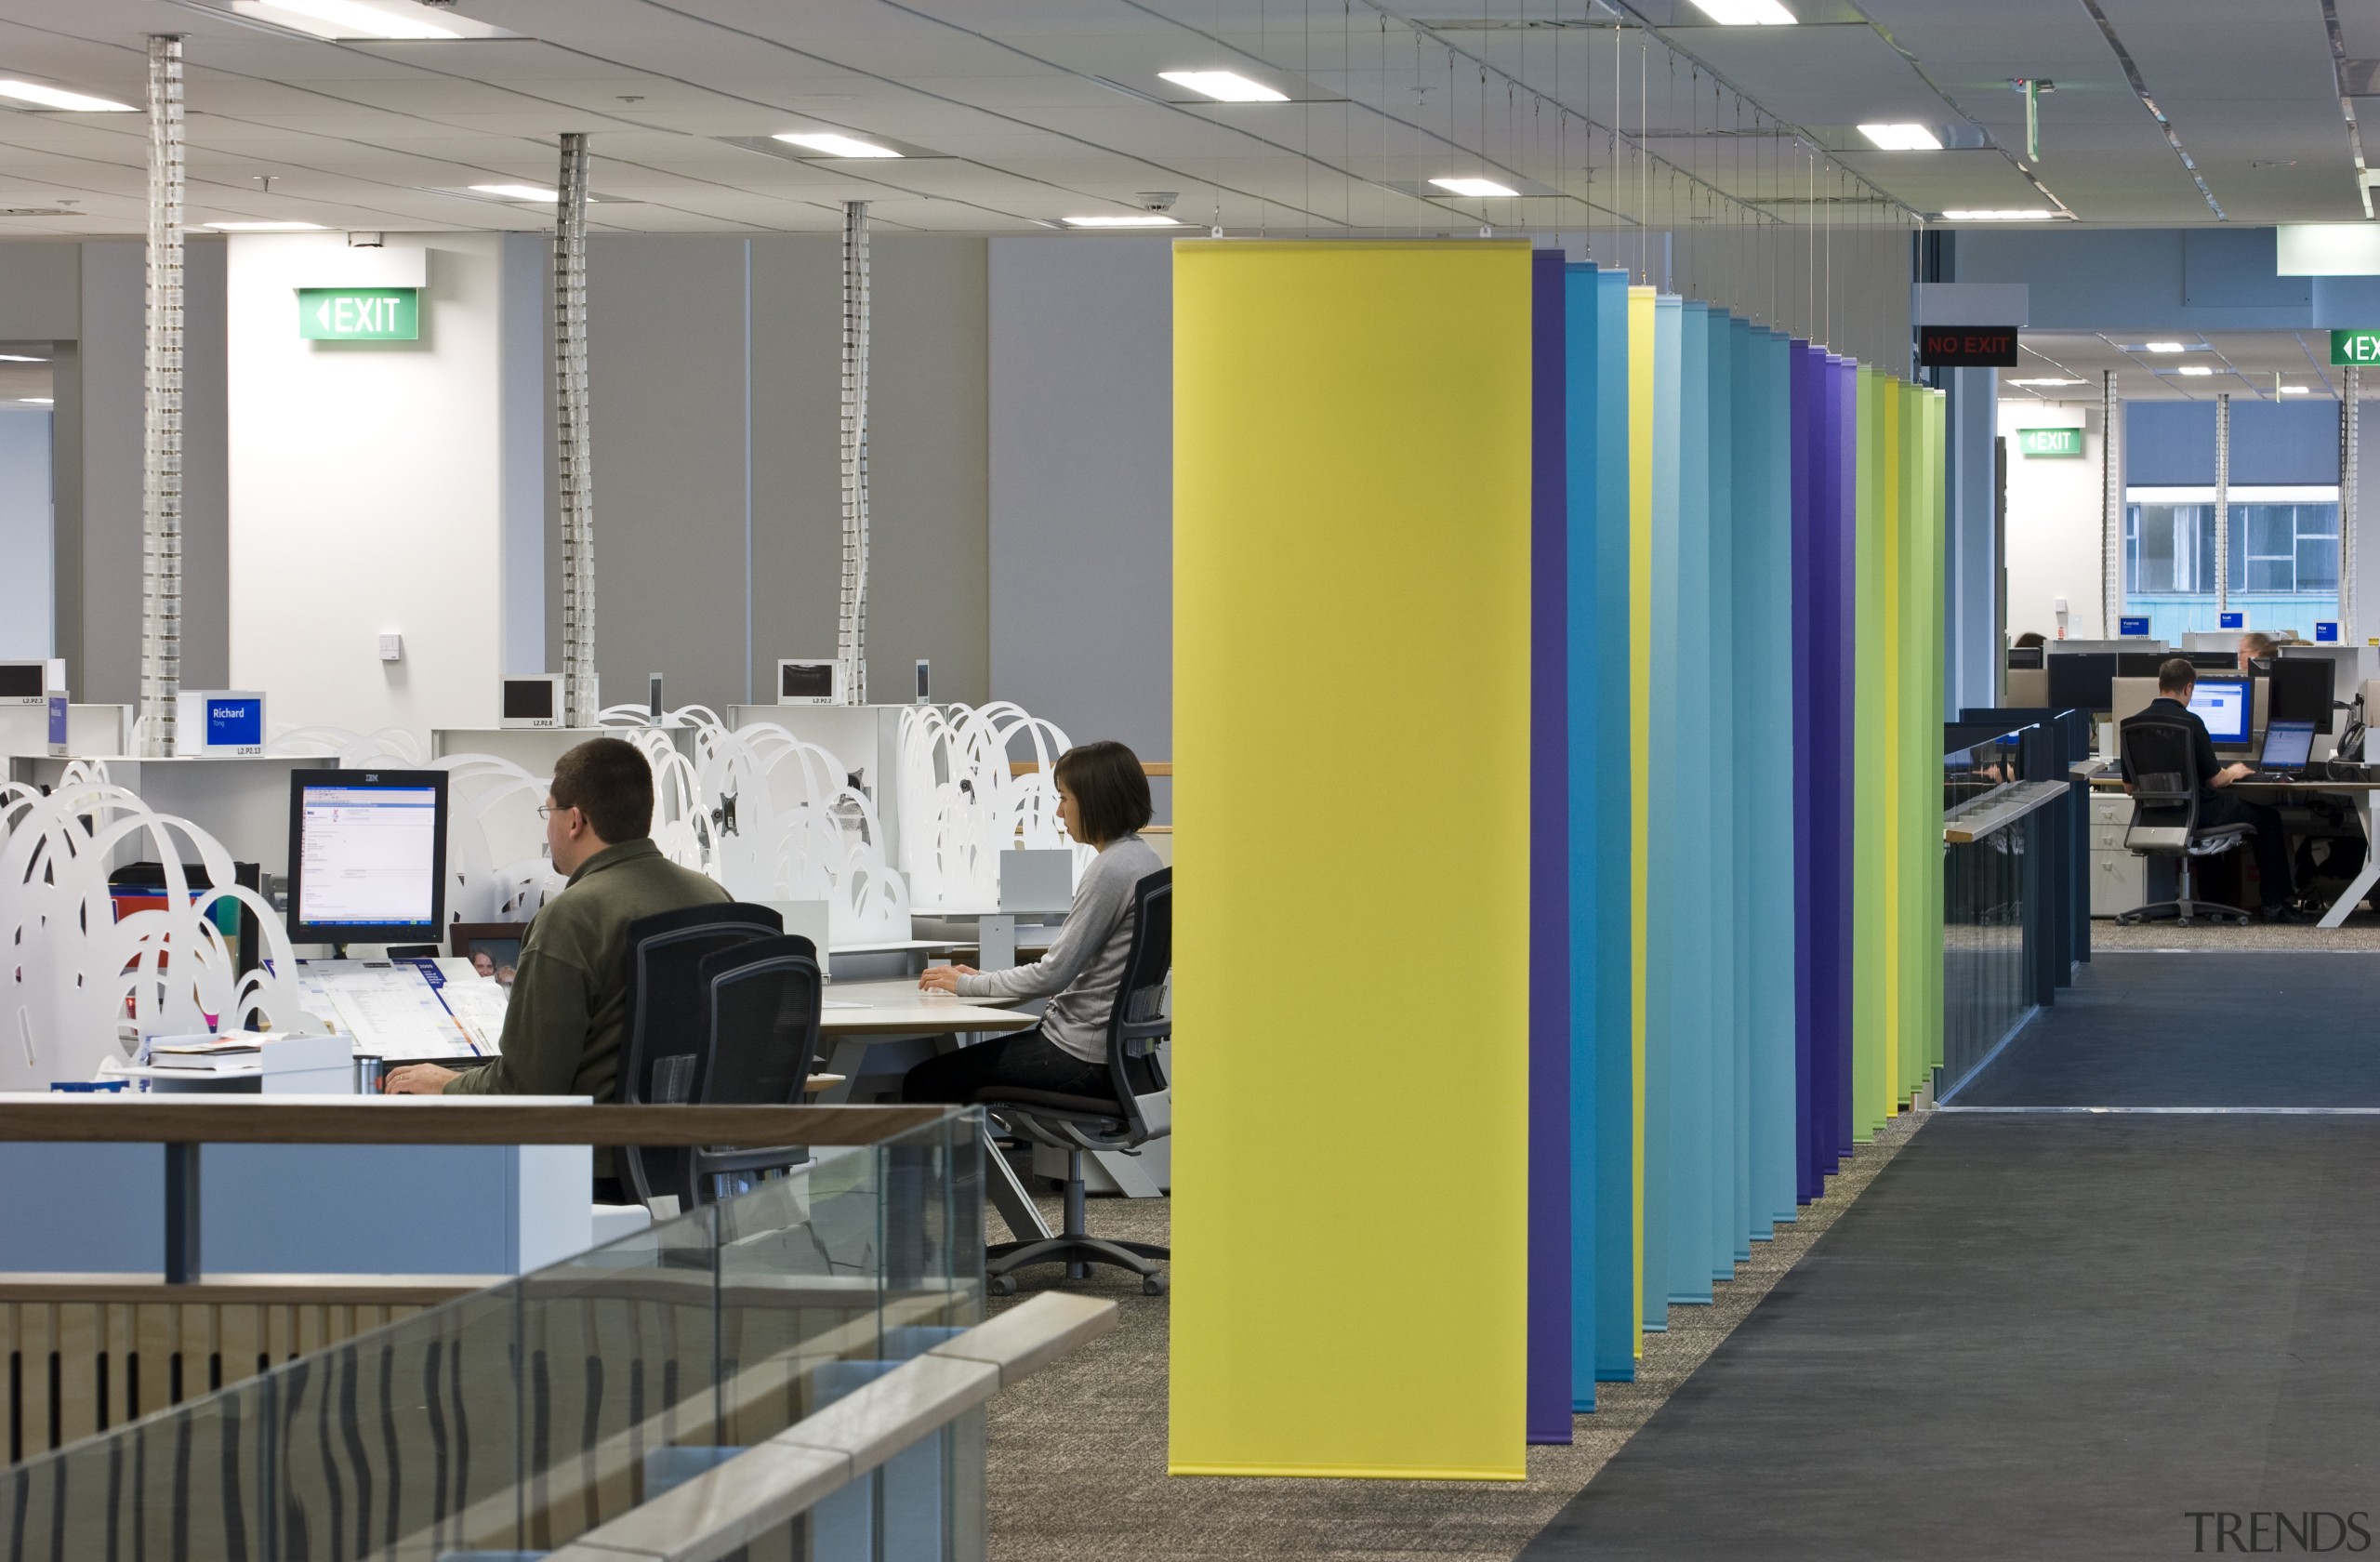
<point x="1663" y="805"/>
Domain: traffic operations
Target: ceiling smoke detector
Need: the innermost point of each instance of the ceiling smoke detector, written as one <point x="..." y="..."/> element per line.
<point x="1155" y="200"/>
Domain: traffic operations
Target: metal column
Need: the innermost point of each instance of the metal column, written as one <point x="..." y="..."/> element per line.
<point x="581" y="698"/>
<point x="2222" y="505"/>
<point x="161" y="442"/>
<point x="850" y="629"/>
<point x="2110" y="506"/>
<point x="2350" y="492"/>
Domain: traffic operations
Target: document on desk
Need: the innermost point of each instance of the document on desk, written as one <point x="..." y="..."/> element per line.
<point x="478" y="1004"/>
<point x="393" y="1011"/>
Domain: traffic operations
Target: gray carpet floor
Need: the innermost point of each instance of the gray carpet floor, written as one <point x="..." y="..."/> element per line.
<point x="1077" y="1451"/>
<point x="2052" y="1336"/>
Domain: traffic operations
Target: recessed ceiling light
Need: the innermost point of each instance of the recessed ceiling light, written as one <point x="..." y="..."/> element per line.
<point x="352" y="18"/>
<point x="265" y="227"/>
<point x="1474" y="187"/>
<point x="1124" y="220"/>
<point x="2027" y="213"/>
<point x="518" y="192"/>
<point x="834" y="145"/>
<point x="2164" y="347"/>
<point x="2196" y="371"/>
<point x="1902" y="138"/>
<point x="20" y="358"/>
<point x="1224" y="87"/>
<point x="1746" y="13"/>
<point x="52" y="97"/>
<point x="2045" y="379"/>
<point x="2297" y="389"/>
<point x="38" y="400"/>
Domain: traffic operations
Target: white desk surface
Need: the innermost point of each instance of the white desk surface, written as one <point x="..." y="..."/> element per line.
<point x="898" y="1008"/>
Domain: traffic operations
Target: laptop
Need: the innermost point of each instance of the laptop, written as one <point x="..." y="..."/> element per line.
<point x="2289" y="748"/>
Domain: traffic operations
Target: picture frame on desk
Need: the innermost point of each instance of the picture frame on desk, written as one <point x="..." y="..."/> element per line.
<point x="497" y="944"/>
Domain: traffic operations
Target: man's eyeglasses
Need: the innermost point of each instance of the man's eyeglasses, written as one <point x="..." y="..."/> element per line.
<point x="545" y="810"/>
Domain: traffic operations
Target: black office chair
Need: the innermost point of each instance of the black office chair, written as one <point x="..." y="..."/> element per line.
<point x="2164" y="819"/>
<point x="759" y="1042"/>
<point x="659" y="1049"/>
<point x="1140" y="1109"/>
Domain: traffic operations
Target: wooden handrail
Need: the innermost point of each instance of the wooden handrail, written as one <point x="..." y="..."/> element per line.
<point x="430" y="1119"/>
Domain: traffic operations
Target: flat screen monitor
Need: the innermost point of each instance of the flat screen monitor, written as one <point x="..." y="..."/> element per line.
<point x="2302" y="690"/>
<point x="533" y="701"/>
<point x="2139" y="663"/>
<point x="2211" y="661"/>
<point x="23" y="682"/>
<point x="2024" y="655"/>
<point x="2225" y="705"/>
<point x="810" y="681"/>
<point x="2082" y="681"/>
<point x="367" y="855"/>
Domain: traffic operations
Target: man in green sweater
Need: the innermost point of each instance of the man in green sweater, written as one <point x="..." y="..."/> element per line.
<point x="568" y="1012"/>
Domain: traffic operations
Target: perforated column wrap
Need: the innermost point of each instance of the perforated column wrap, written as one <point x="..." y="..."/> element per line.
<point x="574" y="438"/>
<point x="851" y="627"/>
<point x="2350" y="500"/>
<point x="161" y="446"/>
<point x="2222" y="503"/>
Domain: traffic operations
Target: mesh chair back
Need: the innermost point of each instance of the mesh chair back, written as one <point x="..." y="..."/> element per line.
<point x="1139" y="1023"/>
<point x="2159" y="759"/>
<point x="665" y="1008"/>
<point x="761" y="1008"/>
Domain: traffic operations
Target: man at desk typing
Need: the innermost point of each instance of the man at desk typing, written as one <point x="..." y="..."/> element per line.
<point x="569" y="1004"/>
<point x="2177" y="678"/>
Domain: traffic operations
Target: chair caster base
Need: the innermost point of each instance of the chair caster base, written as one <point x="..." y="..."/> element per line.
<point x="1003" y="1285"/>
<point x="1077" y="1253"/>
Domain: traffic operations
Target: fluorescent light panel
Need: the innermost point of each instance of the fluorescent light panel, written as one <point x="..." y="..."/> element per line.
<point x="2196" y="371"/>
<point x="1224" y="87"/>
<point x="2047" y="380"/>
<point x="2164" y="347"/>
<point x="1125" y="219"/>
<point x="57" y="98"/>
<point x="2297" y="389"/>
<point x="834" y="145"/>
<point x="1478" y="188"/>
<point x="265" y="227"/>
<point x="352" y="19"/>
<point x="20" y="358"/>
<point x="2027" y="213"/>
<point x="1746" y="13"/>
<point x="518" y="192"/>
<point x="1902" y="138"/>
<point x="38" y="400"/>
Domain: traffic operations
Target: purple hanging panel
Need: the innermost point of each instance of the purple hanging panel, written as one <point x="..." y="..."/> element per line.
<point x="1807" y="392"/>
<point x="1548" y="1411"/>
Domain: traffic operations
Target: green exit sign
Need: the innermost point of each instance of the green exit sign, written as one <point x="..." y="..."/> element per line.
<point x="2049" y="441"/>
<point x="359" y="313"/>
<point x="2355" y="347"/>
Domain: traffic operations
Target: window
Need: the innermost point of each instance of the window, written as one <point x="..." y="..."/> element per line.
<point x="2286" y="548"/>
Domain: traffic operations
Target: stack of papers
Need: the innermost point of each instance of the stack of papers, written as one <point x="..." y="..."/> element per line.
<point x="243" y="1056"/>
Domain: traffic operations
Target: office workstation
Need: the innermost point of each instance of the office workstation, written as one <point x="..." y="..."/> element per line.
<point x="599" y="615"/>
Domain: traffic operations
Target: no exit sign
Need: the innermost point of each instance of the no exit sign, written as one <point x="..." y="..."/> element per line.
<point x="1966" y="347"/>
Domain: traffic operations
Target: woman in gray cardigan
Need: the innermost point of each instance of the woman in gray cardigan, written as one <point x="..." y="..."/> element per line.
<point x="1103" y="802"/>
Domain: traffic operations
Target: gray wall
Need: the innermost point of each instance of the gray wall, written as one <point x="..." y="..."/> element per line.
<point x="716" y="432"/>
<point x="106" y="666"/>
<point x="1082" y="485"/>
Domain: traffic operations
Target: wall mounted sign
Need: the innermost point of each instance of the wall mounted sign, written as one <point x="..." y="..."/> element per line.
<point x="2131" y="626"/>
<point x="359" y="313"/>
<point x="2049" y="441"/>
<point x="1967" y="347"/>
<point x="2355" y="347"/>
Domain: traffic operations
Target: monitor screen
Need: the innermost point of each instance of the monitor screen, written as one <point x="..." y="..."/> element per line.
<point x="2288" y="744"/>
<point x="2138" y="664"/>
<point x="2227" y="661"/>
<point x="2081" y="681"/>
<point x="23" y="681"/>
<point x="2301" y="691"/>
<point x="806" y="681"/>
<point x="234" y="721"/>
<point x="367" y="854"/>
<point x="528" y="699"/>
<point x="2024" y="655"/>
<point x="2224" y="704"/>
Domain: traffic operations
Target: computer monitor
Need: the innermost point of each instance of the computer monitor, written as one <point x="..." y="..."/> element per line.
<point x="367" y="856"/>
<point x="2206" y="661"/>
<point x="2302" y="690"/>
<point x="2287" y="745"/>
<point x="2081" y="681"/>
<point x="24" y="683"/>
<point x="810" y="681"/>
<point x="533" y="701"/>
<point x="219" y="723"/>
<point x="2139" y="663"/>
<point x="2224" y="704"/>
<point x="2024" y="655"/>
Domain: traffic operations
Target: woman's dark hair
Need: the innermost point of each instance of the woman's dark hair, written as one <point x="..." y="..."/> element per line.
<point x="2030" y="639"/>
<point x="611" y="783"/>
<point x="1111" y="790"/>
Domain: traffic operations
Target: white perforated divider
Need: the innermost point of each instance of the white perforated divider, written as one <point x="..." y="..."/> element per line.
<point x="961" y="805"/>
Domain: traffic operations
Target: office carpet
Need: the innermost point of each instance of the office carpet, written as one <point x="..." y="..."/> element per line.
<point x="2209" y="1028"/>
<point x="1077" y="1454"/>
<point x="2043" y="1336"/>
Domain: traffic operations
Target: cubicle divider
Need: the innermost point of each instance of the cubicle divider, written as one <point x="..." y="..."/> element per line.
<point x="1705" y="638"/>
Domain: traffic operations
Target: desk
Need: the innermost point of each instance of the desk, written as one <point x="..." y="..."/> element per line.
<point x="2278" y="794"/>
